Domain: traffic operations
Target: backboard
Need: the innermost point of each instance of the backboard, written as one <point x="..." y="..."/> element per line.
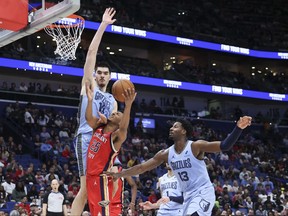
<point x="40" y="18"/>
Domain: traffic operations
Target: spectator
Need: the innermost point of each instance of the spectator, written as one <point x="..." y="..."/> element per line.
<point x="152" y="197"/>
<point x="9" y="110"/>
<point x="2" y="195"/>
<point x="12" y="87"/>
<point x="32" y="193"/>
<point x="43" y="119"/>
<point x="19" y="172"/>
<point x="66" y="152"/>
<point x="8" y="187"/>
<point x="29" y="176"/>
<point x="63" y="133"/>
<point x="268" y="182"/>
<point x="24" y="207"/>
<point x="45" y="134"/>
<point x="40" y="180"/>
<point x="35" y="209"/>
<point x="19" y="192"/>
<point x="51" y="175"/>
<point x="227" y="185"/>
<point x="29" y="120"/>
<point x="248" y="203"/>
<point x="260" y="211"/>
<point x="58" y="121"/>
<point x="4" y="86"/>
<point x="23" y="87"/>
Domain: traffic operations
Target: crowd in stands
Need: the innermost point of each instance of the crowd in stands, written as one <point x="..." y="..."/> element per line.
<point x="252" y="177"/>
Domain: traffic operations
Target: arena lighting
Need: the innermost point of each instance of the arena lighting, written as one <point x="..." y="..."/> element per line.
<point x="187" y="42"/>
<point x="59" y="69"/>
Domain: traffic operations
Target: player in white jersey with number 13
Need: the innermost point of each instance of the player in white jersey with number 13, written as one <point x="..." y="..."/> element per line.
<point x="186" y="159"/>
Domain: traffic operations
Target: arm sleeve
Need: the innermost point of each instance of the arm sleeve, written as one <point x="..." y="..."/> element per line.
<point x="178" y="199"/>
<point x="64" y="199"/>
<point x="231" y="139"/>
<point x="45" y="198"/>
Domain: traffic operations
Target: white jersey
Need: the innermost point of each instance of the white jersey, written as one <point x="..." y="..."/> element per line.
<point x="169" y="186"/>
<point x="103" y="102"/>
<point x="198" y="191"/>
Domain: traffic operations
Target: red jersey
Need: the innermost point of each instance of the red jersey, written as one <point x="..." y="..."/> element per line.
<point x="101" y="153"/>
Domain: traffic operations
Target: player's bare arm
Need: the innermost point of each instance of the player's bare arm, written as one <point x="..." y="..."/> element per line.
<point x="92" y="120"/>
<point x="148" y="205"/>
<point x="44" y="209"/>
<point x="133" y="186"/>
<point x="218" y="146"/>
<point x="119" y="136"/>
<point x="115" y="106"/>
<point x="115" y="183"/>
<point x="160" y="157"/>
<point x="93" y="48"/>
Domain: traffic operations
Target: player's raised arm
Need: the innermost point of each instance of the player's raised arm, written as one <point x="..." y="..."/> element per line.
<point x="93" y="48"/>
<point x="226" y="144"/>
<point x="119" y="136"/>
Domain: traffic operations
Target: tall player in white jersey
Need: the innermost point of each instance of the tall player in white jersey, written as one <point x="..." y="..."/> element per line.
<point x="185" y="158"/>
<point x="171" y="200"/>
<point x="103" y="102"/>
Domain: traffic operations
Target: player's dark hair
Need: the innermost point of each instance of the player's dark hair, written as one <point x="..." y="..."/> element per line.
<point x="186" y="125"/>
<point x="103" y="64"/>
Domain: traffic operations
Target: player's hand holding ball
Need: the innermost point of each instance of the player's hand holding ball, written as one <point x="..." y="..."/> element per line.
<point x="124" y="91"/>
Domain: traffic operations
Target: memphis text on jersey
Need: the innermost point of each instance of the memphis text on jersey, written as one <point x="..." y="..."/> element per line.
<point x="181" y="164"/>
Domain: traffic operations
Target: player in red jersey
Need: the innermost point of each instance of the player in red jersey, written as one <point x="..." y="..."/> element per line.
<point x="103" y="148"/>
<point x="116" y="204"/>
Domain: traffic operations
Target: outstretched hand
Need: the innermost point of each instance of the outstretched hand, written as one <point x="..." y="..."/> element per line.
<point x="102" y="118"/>
<point x="114" y="175"/>
<point x="244" y="122"/>
<point x="129" y="95"/>
<point x="146" y="205"/>
<point x="108" y="16"/>
<point x="163" y="200"/>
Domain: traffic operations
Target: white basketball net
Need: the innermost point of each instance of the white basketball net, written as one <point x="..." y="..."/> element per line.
<point x="67" y="34"/>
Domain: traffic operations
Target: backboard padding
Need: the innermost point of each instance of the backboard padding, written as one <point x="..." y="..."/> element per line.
<point x="40" y="19"/>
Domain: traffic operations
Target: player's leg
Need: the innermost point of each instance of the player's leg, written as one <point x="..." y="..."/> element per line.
<point x="103" y="195"/>
<point x="81" y="147"/>
<point x="80" y="199"/>
<point x="91" y="190"/>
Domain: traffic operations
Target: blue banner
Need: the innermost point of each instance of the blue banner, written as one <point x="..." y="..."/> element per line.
<point x="187" y="42"/>
<point x="51" y="68"/>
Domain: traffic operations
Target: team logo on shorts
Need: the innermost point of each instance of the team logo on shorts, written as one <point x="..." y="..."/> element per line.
<point x="204" y="205"/>
<point x="104" y="203"/>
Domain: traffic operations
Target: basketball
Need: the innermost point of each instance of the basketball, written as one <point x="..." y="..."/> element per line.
<point x="119" y="87"/>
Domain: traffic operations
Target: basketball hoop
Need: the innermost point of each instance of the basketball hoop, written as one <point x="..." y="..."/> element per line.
<point x="67" y="34"/>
